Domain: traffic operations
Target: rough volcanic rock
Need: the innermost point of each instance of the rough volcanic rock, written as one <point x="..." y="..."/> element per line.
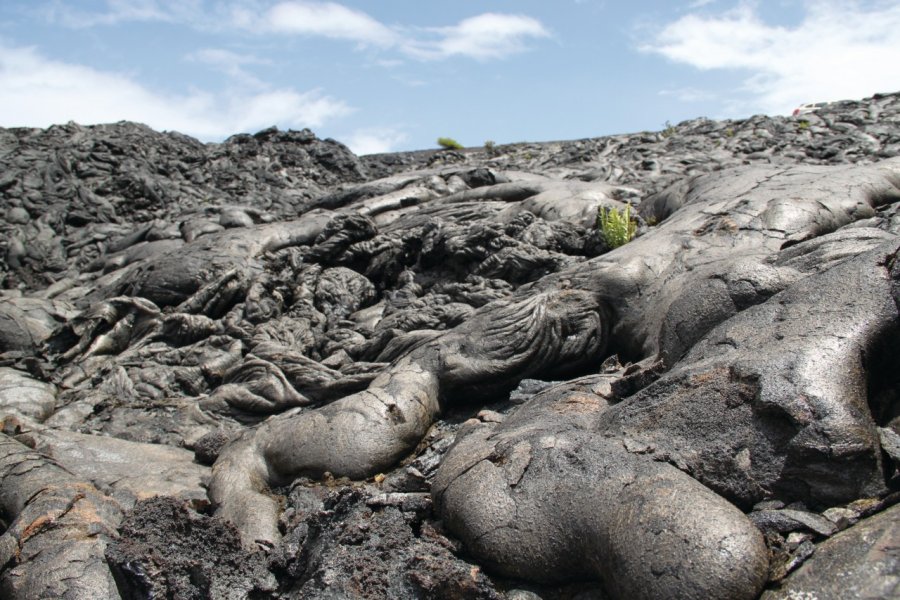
<point x="381" y="546"/>
<point x="842" y="132"/>
<point x="76" y="194"/>
<point x="167" y="551"/>
<point x="58" y="528"/>
<point x="429" y="375"/>
<point x="23" y="396"/>
<point x="861" y="562"/>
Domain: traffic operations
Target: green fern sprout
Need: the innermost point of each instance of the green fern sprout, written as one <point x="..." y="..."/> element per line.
<point x="617" y="227"/>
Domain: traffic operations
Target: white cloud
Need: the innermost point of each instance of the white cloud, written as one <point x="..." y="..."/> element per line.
<point x="285" y="107"/>
<point x="226" y="58"/>
<point x="486" y="36"/>
<point x="374" y="140"/>
<point x="297" y="17"/>
<point x="36" y="91"/>
<point x="841" y="49"/>
<point x="482" y="37"/>
<point x="689" y="94"/>
<point x="118" y="11"/>
<point x="231" y="64"/>
<point x="327" y="19"/>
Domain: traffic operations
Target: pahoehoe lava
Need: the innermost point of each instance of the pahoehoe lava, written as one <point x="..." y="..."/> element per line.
<point x="269" y="368"/>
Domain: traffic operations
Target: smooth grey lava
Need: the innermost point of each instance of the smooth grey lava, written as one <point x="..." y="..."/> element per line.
<point x="268" y="368"/>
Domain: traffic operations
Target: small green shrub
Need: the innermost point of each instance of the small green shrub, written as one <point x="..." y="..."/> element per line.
<point x="669" y="131"/>
<point x="804" y="124"/>
<point x="729" y="132"/>
<point x="617" y="227"/>
<point x="490" y="148"/>
<point x="449" y="143"/>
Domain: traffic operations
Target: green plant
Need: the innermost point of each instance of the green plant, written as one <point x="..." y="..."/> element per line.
<point x="803" y="124"/>
<point x="729" y="132"/>
<point x="449" y="143"/>
<point x="490" y="148"/>
<point x="669" y="131"/>
<point x="617" y="227"/>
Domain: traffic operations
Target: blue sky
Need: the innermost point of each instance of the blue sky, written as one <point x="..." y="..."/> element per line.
<point x="397" y="74"/>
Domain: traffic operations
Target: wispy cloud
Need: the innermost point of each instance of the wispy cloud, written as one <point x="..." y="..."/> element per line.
<point x="840" y="49"/>
<point x="689" y="94"/>
<point x="483" y="37"/>
<point x="35" y="91"/>
<point x="230" y="63"/>
<point x="374" y="140"/>
<point x="119" y="11"/>
<point x="327" y="19"/>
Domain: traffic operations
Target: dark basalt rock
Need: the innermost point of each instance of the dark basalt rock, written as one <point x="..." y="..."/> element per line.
<point x="861" y="562"/>
<point x="428" y="375"/>
<point x="381" y="546"/>
<point x="71" y="192"/>
<point x="167" y="551"/>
